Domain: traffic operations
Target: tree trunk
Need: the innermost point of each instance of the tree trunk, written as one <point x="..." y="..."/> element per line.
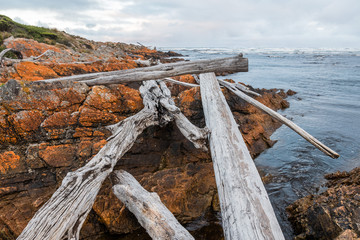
<point x="245" y="207"/>
<point x="235" y="64"/>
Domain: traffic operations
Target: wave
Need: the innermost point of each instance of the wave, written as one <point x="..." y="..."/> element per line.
<point x="267" y="51"/>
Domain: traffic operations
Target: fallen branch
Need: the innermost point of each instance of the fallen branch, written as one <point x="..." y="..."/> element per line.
<point x="246" y="89"/>
<point x="3" y="52"/>
<point x="245" y="207"/>
<point x="147" y="207"/>
<point x="30" y="59"/>
<point x="234" y="64"/>
<point x="282" y="119"/>
<point x="180" y="83"/>
<point x="194" y="134"/>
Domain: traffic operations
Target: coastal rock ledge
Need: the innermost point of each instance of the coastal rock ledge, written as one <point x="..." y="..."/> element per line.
<point x="334" y="214"/>
<point x="49" y="129"/>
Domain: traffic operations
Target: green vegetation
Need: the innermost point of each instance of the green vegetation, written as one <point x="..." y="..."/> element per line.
<point x="40" y="34"/>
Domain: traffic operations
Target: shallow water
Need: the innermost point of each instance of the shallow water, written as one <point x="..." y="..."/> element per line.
<point x="327" y="105"/>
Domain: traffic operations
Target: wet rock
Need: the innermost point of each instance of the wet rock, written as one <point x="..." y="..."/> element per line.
<point x="290" y="92"/>
<point x="334" y="214"/>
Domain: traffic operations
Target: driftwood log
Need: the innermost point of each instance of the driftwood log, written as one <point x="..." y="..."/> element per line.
<point x="245" y="206"/>
<point x="63" y="215"/>
<point x="234" y="64"/>
<point x="147" y="207"/>
<point x="20" y="56"/>
<point x="3" y="53"/>
<point x="279" y="117"/>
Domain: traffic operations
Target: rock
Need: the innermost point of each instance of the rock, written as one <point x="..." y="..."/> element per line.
<point x="290" y="92"/>
<point x="333" y="214"/>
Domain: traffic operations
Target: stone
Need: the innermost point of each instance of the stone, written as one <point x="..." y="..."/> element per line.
<point x="58" y="156"/>
<point x="333" y="214"/>
<point x="10" y="163"/>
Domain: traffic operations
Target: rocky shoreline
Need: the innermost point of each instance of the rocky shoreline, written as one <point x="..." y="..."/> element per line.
<point x="47" y="130"/>
<point x="333" y="214"/>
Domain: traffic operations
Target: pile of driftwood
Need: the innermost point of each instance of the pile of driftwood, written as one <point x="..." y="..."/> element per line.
<point x="245" y="207"/>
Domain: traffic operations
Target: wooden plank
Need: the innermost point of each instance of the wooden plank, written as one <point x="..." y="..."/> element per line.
<point x="245" y="207"/>
<point x="234" y="64"/>
<point x="147" y="207"/>
<point x="322" y="147"/>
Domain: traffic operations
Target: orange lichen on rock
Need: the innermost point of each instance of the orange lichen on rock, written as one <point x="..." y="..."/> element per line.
<point x="58" y="156"/>
<point x="57" y="120"/>
<point x="102" y="97"/>
<point x="29" y="47"/>
<point x="26" y="121"/>
<point x="32" y="71"/>
<point x="10" y="163"/>
<point x="131" y="99"/>
<point x="92" y="117"/>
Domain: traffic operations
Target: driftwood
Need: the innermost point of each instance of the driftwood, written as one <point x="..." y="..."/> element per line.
<point x="246" y="89"/>
<point x="181" y="83"/>
<point x="245" y="207"/>
<point x="147" y="207"/>
<point x="63" y="215"/>
<point x="234" y="64"/>
<point x="3" y="52"/>
<point x="282" y="119"/>
<point x="20" y="56"/>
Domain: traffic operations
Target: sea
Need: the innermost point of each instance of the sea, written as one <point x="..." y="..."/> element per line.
<point x="327" y="105"/>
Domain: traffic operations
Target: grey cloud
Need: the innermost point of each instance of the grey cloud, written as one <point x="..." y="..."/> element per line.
<point x="48" y="4"/>
<point x="296" y="23"/>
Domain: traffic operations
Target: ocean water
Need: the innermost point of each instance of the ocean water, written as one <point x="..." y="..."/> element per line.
<point x="327" y="105"/>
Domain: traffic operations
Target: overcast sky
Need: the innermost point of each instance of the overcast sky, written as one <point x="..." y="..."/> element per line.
<point x="199" y="23"/>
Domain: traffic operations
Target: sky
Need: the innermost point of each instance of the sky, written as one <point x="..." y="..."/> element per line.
<point x="199" y="23"/>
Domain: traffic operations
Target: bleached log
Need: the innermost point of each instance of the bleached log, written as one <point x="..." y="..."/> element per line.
<point x="234" y="64"/>
<point x="146" y="63"/>
<point x="194" y="134"/>
<point x="147" y="207"/>
<point x="30" y="59"/>
<point x="3" y="52"/>
<point x="246" y="89"/>
<point x="322" y="147"/>
<point x="180" y="83"/>
<point x="245" y="207"/>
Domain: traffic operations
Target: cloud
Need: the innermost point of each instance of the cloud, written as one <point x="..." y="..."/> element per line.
<point x="229" y="23"/>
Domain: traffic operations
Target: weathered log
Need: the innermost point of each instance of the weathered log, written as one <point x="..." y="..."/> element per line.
<point x="245" y="207"/>
<point x="234" y="64"/>
<point x="65" y="212"/>
<point x="282" y="119"/>
<point x="246" y="89"/>
<point x="194" y="134"/>
<point x="147" y="207"/>
<point x="180" y="83"/>
<point x="146" y="63"/>
<point x="3" y="52"/>
<point x="20" y="56"/>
